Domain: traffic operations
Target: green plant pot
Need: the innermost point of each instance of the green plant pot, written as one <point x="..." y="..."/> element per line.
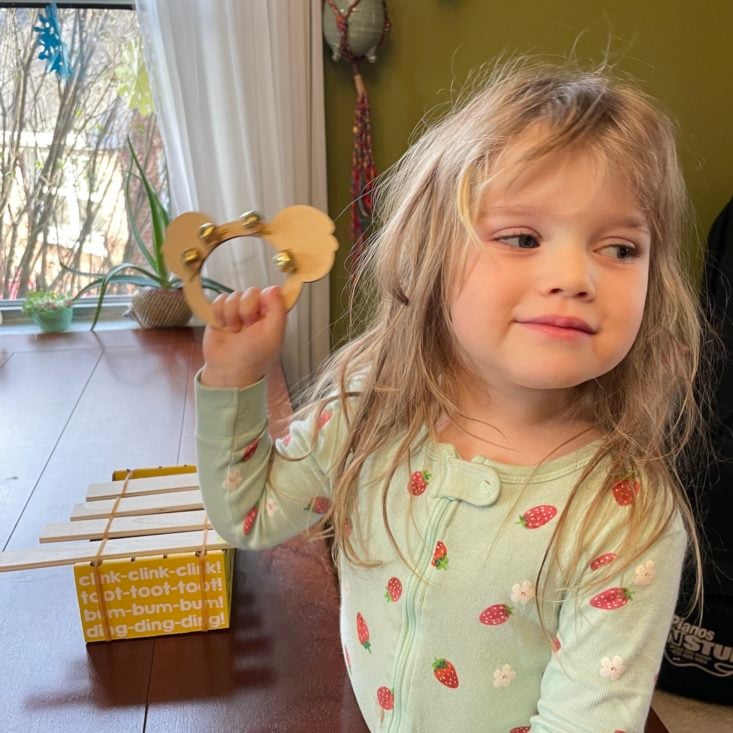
<point x="54" y="322"/>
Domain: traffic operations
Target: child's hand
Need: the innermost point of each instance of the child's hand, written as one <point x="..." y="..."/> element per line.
<point x="251" y="327"/>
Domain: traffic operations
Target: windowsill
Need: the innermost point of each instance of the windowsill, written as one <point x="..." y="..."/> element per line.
<point x="21" y="326"/>
<point x="111" y="318"/>
<point x="108" y="324"/>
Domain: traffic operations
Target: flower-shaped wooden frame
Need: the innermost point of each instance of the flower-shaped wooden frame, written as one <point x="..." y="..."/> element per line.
<point x="301" y="235"/>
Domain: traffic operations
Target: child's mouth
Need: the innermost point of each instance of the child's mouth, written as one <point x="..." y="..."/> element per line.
<point x="559" y="326"/>
<point x="563" y="332"/>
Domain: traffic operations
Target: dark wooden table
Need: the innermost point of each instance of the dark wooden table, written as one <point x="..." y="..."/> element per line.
<point x="73" y="407"/>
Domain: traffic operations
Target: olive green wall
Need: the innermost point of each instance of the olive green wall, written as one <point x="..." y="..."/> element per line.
<point x="678" y="50"/>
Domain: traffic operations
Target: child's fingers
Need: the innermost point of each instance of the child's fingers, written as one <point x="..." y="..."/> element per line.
<point x="273" y="311"/>
<point x="230" y="312"/>
<point x="236" y="307"/>
<point x="249" y="307"/>
<point x="272" y="302"/>
<point x="243" y="308"/>
<point x="217" y="308"/>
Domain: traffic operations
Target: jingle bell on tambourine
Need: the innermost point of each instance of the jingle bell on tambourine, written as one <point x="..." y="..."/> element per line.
<point x="301" y="235"/>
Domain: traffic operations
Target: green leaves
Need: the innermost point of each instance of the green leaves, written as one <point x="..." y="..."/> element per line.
<point x="44" y="301"/>
<point x="116" y="275"/>
<point x="159" y="218"/>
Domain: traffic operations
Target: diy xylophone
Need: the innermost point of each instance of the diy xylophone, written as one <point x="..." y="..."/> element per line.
<point x="146" y="560"/>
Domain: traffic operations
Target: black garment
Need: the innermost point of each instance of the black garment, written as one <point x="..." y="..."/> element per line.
<point x="698" y="659"/>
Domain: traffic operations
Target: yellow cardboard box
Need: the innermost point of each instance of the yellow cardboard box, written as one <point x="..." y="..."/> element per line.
<point x="157" y="595"/>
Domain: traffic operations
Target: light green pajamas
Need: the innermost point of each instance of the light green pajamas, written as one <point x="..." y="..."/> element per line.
<point x="457" y="645"/>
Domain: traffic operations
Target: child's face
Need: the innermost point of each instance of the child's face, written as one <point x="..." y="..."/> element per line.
<point x="567" y="254"/>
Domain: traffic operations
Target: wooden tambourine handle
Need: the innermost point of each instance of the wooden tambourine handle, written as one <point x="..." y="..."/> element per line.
<point x="301" y="235"/>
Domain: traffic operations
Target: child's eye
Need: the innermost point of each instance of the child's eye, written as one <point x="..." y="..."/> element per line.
<point x="622" y="251"/>
<point x="524" y="241"/>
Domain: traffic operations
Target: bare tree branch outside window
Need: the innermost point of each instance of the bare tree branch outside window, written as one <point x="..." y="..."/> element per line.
<point x="63" y="150"/>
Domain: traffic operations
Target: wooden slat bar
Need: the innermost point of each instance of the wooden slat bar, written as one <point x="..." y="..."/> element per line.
<point x="179" y="501"/>
<point x="68" y="553"/>
<point x="143" y="486"/>
<point x="141" y="525"/>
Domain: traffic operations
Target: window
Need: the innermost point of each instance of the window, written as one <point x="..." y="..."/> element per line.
<point x="63" y="147"/>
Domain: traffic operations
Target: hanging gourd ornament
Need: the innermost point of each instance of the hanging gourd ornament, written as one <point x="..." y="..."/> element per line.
<point x="354" y="29"/>
<point x="301" y="235"/>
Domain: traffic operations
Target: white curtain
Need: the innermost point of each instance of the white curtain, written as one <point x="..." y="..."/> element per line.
<point x="238" y="90"/>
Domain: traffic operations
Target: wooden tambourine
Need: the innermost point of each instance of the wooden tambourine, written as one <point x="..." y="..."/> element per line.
<point x="301" y="235"/>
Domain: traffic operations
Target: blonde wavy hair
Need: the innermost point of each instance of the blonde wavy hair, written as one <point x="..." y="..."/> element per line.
<point x="405" y="359"/>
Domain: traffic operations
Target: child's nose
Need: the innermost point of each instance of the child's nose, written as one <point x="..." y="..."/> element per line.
<point x="569" y="276"/>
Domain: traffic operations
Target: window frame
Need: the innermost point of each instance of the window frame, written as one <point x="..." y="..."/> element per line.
<point x="100" y="4"/>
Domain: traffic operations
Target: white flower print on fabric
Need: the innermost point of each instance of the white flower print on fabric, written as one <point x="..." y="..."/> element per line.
<point x="523" y="592"/>
<point x="644" y="574"/>
<point x="505" y="676"/>
<point x="271" y="507"/>
<point x="233" y="479"/>
<point x="612" y="668"/>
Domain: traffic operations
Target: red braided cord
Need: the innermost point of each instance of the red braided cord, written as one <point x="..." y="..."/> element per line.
<point x="364" y="170"/>
<point x="342" y="23"/>
<point x="363" y="173"/>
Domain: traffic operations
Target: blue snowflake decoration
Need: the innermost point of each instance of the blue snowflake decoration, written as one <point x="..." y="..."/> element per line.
<point x="54" y="51"/>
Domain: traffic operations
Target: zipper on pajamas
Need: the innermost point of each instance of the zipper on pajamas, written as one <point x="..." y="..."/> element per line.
<point x="414" y="586"/>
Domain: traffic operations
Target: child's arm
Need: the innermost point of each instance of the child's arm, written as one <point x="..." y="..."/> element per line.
<point x="253" y="497"/>
<point x="610" y="646"/>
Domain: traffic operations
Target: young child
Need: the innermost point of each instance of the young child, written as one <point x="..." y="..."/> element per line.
<point x="495" y="453"/>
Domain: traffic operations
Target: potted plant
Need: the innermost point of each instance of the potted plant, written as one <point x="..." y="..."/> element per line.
<point x="51" y="312"/>
<point x="159" y="301"/>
